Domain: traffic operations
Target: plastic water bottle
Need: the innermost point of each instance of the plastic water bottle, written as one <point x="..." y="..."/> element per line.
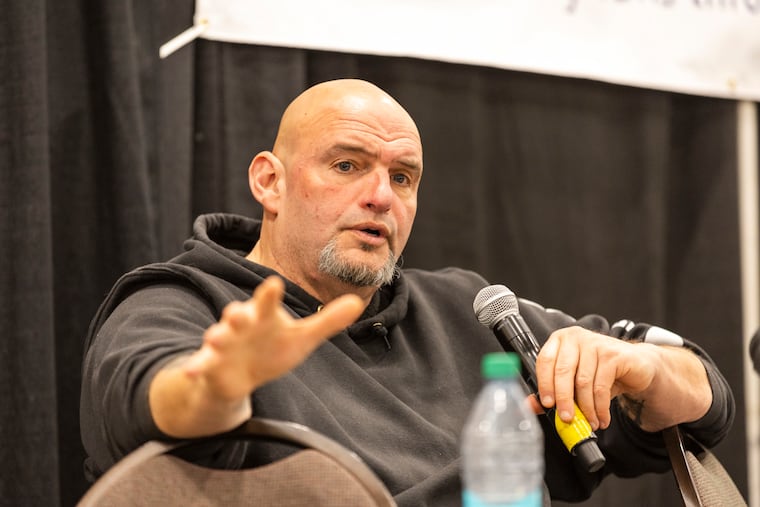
<point x="502" y="442"/>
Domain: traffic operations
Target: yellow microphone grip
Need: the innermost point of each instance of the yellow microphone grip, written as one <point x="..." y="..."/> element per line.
<point x="580" y="440"/>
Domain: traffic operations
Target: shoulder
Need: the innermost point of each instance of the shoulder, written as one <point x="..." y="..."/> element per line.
<point x="445" y="277"/>
<point x="155" y="289"/>
<point x="450" y="289"/>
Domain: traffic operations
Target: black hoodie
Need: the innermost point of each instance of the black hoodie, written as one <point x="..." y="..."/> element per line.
<point x="395" y="387"/>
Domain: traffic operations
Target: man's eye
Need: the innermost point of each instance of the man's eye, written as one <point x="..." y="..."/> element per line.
<point x="344" y="166"/>
<point x="401" y="179"/>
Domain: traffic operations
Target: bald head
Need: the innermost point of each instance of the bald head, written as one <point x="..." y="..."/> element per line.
<point x="313" y="109"/>
<point x="338" y="190"/>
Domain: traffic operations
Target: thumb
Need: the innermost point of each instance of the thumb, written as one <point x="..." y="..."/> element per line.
<point x="534" y="404"/>
<point x="332" y="318"/>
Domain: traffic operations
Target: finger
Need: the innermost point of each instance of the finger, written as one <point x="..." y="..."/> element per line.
<point x="334" y="316"/>
<point x="545" y="363"/>
<point x="219" y="336"/>
<point x="265" y="301"/>
<point x="585" y="383"/>
<point x="233" y="314"/>
<point x="534" y="404"/>
<point x="268" y="295"/>
<point x="565" y="368"/>
<point x="605" y="379"/>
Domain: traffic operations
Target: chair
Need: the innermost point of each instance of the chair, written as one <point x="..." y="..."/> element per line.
<point x="323" y="472"/>
<point x="701" y="478"/>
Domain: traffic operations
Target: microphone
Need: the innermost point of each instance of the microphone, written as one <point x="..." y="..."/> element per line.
<point x="496" y="307"/>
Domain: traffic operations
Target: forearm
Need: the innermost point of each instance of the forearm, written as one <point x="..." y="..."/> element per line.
<point x="680" y="391"/>
<point x="183" y="406"/>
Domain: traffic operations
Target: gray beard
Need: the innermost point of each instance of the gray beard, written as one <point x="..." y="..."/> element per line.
<point x="355" y="274"/>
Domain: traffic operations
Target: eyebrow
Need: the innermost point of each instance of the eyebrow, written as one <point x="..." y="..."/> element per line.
<point x="410" y="163"/>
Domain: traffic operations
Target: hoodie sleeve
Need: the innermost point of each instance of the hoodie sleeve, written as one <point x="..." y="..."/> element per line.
<point x="140" y="335"/>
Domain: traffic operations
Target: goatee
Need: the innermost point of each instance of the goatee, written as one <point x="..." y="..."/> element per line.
<point x="358" y="275"/>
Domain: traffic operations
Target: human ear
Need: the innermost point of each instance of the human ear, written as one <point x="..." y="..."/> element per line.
<point x="265" y="179"/>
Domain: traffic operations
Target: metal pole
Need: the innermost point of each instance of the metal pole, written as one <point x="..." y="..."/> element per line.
<point x="747" y="166"/>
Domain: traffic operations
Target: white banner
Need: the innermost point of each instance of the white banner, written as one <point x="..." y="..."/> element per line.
<point x="702" y="47"/>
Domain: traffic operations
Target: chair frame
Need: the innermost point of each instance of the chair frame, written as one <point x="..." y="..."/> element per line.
<point x="272" y="429"/>
<point x="678" y="446"/>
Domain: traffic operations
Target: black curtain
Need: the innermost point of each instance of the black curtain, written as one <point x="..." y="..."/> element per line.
<point x="584" y="196"/>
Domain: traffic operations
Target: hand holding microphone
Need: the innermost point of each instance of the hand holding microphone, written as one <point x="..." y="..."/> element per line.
<point x="496" y="307"/>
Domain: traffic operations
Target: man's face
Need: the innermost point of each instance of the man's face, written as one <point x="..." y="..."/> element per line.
<point x="352" y="176"/>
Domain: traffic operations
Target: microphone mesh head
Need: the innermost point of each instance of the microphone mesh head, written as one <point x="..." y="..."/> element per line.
<point x="493" y="303"/>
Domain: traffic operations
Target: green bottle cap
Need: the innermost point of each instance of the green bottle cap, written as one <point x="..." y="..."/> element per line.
<point x="500" y="365"/>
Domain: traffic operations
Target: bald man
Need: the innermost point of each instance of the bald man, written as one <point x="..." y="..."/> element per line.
<point x="337" y="337"/>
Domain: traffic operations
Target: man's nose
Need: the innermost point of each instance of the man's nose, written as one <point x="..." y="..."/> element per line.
<point x="379" y="192"/>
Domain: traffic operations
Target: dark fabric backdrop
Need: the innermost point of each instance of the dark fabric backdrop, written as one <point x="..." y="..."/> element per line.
<point x="584" y="196"/>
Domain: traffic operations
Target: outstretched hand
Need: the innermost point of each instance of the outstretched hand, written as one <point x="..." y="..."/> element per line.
<point x="254" y="342"/>
<point x="257" y="340"/>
